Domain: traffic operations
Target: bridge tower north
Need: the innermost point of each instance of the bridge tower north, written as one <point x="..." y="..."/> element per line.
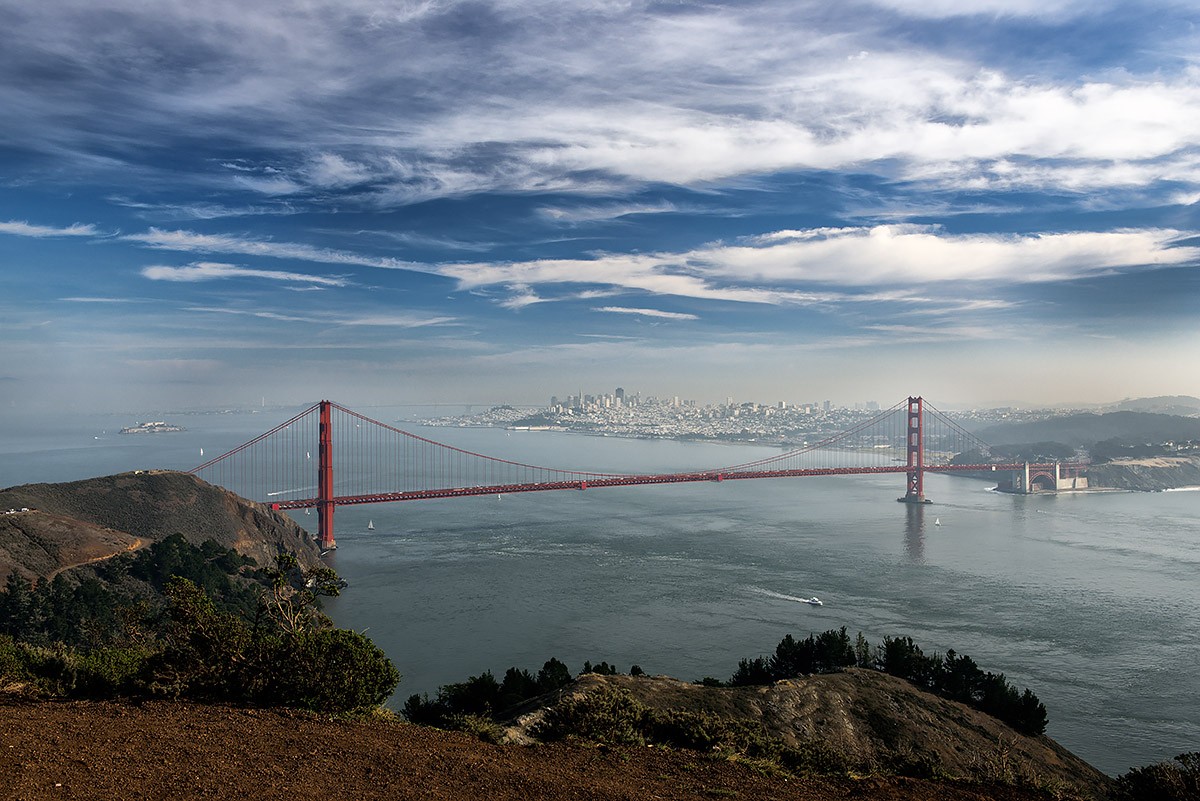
<point x="915" y="492"/>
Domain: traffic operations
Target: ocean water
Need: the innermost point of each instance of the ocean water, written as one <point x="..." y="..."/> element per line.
<point x="1089" y="600"/>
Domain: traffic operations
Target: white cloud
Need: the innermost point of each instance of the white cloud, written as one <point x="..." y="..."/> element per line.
<point x="215" y="271"/>
<point x="763" y="269"/>
<point x="604" y="212"/>
<point x="189" y="241"/>
<point x="388" y="320"/>
<point x="657" y="313"/>
<point x="23" y="228"/>
<point x="567" y="96"/>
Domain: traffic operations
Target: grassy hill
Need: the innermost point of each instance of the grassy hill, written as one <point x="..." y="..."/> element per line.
<point x="78" y="522"/>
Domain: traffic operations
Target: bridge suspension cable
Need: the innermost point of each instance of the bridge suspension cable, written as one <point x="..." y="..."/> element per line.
<point x="328" y="455"/>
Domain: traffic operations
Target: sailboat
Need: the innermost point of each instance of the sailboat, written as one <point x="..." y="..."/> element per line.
<point x="370" y="525"/>
<point x="202" y="451"/>
<point x="937" y="521"/>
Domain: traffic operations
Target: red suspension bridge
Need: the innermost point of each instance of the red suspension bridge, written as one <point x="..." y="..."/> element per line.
<point x="292" y="466"/>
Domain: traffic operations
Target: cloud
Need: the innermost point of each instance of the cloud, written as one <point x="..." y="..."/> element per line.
<point x="538" y="96"/>
<point x="97" y="300"/>
<point x="215" y="271"/>
<point x="188" y="241"/>
<point x="765" y="269"/>
<point x="605" y="212"/>
<point x="665" y="315"/>
<point x="386" y="320"/>
<point x="22" y="228"/>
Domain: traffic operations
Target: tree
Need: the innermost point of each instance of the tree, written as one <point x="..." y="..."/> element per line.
<point x="554" y="675"/>
<point x="293" y="597"/>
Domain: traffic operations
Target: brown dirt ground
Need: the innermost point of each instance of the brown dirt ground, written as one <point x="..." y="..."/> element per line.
<point x="170" y="750"/>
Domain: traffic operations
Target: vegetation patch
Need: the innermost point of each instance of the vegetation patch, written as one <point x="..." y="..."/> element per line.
<point x="185" y="621"/>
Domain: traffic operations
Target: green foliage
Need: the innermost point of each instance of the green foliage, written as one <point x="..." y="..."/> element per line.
<point x="216" y="632"/>
<point x="1178" y="780"/>
<point x="12" y="665"/>
<point x="602" y="669"/>
<point x="605" y="715"/>
<point x="217" y="655"/>
<point x="955" y="677"/>
<point x="331" y="670"/>
<point x="105" y="672"/>
<point x="484" y="697"/>
<point x="554" y="675"/>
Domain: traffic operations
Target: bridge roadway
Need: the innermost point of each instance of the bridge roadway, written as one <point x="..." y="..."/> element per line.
<point x="635" y="480"/>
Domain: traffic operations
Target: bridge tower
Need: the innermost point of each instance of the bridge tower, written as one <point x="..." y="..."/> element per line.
<point x="915" y="491"/>
<point x="325" y="478"/>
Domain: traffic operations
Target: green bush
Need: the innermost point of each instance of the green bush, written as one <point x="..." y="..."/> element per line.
<point x="106" y="672"/>
<point x="332" y="670"/>
<point x="12" y="665"/>
<point x="1178" y="780"/>
<point x="606" y="715"/>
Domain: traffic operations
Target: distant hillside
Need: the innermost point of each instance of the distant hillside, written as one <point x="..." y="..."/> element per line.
<point x="1084" y="430"/>
<point x="85" y="521"/>
<point x="1184" y="405"/>
<point x="869" y="719"/>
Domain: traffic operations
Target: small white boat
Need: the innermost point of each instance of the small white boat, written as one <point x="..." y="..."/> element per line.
<point x="370" y="525"/>
<point x="937" y="521"/>
<point x="814" y="601"/>
<point x="202" y="451"/>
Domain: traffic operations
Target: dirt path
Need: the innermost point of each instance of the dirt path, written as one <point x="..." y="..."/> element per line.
<point x="136" y="545"/>
<point x="163" y="750"/>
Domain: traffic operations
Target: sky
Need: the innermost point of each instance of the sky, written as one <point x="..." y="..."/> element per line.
<point x="984" y="202"/>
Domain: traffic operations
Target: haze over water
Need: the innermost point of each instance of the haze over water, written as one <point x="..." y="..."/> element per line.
<point x="1088" y="600"/>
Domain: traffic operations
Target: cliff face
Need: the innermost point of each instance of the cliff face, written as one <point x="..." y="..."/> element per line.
<point x="1162" y="472"/>
<point x="866" y="716"/>
<point x="79" y="522"/>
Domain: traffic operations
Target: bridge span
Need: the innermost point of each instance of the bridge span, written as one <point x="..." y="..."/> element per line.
<point x="379" y="463"/>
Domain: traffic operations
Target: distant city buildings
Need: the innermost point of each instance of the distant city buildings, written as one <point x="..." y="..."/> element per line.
<point x="623" y="414"/>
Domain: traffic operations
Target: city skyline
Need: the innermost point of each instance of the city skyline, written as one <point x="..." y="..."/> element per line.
<point x="986" y="203"/>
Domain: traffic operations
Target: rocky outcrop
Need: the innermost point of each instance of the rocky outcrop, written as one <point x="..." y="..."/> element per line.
<point x="869" y="718"/>
<point x="80" y="522"/>
<point x="1157" y="473"/>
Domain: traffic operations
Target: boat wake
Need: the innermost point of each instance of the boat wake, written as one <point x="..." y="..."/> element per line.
<point x="780" y="596"/>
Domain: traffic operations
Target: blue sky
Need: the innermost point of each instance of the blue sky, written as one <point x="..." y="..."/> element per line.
<point x="985" y="202"/>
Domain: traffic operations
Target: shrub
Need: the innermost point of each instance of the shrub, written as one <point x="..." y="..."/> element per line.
<point x="606" y="715"/>
<point x="1178" y="780"/>
<point x="12" y="665"/>
<point x="332" y="670"/>
<point x="106" y="672"/>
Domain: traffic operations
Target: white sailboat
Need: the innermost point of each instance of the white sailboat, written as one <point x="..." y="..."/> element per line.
<point x="937" y="521"/>
<point x="370" y="525"/>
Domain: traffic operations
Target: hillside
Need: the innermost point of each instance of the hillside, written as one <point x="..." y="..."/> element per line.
<point x="1083" y="430"/>
<point x="872" y="720"/>
<point x="85" y="521"/>
<point x="164" y="751"/>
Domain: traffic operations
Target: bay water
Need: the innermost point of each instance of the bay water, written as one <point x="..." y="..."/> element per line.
<point x="1091" y="600"/>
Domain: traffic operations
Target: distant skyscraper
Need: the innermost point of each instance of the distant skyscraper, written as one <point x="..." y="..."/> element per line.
<point x="620" y="393"/>
<point x="826" y="405"/>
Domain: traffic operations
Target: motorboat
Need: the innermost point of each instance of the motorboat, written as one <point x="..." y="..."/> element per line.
<point x="813" y="601"/>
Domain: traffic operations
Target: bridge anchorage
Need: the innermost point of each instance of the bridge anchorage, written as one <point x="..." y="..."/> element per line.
<point x="379" y="463"/>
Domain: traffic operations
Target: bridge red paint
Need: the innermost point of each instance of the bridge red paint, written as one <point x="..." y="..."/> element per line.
<point x="386" y="464"/>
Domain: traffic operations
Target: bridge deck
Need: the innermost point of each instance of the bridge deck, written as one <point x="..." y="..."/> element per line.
<point x="636" y="480"/>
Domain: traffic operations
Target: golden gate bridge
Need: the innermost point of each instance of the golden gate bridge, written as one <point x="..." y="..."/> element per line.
<point x="292" y="466"/>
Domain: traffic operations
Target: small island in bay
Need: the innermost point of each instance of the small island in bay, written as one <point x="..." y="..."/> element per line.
<point x="155" y="427"/>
